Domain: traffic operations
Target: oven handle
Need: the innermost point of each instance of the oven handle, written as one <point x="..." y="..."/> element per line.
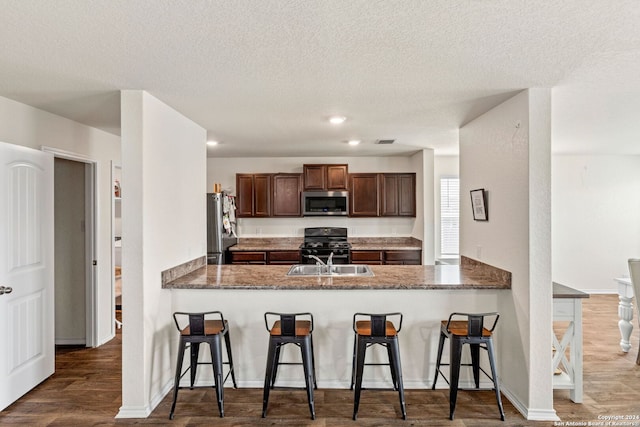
<point x="337" y="259"/>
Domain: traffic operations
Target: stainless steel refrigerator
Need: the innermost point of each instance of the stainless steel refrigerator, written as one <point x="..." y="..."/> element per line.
<point x="218" y="240"/>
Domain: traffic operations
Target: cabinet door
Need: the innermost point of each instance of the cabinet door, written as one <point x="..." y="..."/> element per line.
<point x="398" y="194"/>
<point x="367" y="257"/>
<point x="404" y="257"/>
<point x="286" y="195"/>
<point x="243" y="257"/>
<point x="283" y="257"/>
<point x="389" y="194"/>
<point x="262" y="195"/>
<point x="407" y="194"/>
<point x="364" y="194"/>
<point x="337" y="177"/>
<point x="314" y="177"/>
<point x="244" y="190"/>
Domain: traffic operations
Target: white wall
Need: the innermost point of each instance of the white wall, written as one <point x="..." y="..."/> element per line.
<point x="506" y="151"/>
<point x="424" y="226"/>
<point x="21" y="124"/>
<point x="223" y="170"/>
<point x="163" y="225"/>
<point x="596" y="219"/>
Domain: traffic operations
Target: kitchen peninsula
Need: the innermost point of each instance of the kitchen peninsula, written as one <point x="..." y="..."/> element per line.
<point x="469" y="275"/>
<point x="424" y="294"/>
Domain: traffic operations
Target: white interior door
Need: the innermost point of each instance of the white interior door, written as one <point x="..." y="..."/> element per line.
<point x="27" y="350"/>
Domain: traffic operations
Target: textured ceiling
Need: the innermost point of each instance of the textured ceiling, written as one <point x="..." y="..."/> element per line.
<point x="262" y="76"/>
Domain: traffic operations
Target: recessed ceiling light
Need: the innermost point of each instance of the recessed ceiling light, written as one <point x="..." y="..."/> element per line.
<point x="212" y="143"/>
<point x="353" y="142"/>
<point x="337" y="120"/>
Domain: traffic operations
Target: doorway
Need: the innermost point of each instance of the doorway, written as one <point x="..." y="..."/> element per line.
<point x="116" y="239"/>
<point x="75" y="237"/>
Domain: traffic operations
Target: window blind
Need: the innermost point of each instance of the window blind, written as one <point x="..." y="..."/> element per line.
<point x="449" y="215"/>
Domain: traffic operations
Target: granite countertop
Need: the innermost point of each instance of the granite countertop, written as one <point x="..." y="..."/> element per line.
<point x="357" y="243"/>
<point x="385" y="243"/>
<point x="469" y="275"/>
<point x="267" y="244"/>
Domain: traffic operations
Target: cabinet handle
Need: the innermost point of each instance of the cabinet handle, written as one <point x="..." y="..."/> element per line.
<point x="5" y="290"/>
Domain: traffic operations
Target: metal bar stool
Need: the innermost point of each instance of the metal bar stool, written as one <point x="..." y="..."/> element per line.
<point x="294" y="328"/>
<point x="472" y="332"/>
<point x="197" y="328"/>
<point x="373" y="329"/>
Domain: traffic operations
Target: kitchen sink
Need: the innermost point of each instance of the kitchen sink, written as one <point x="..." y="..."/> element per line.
<point x="334" y="270"/>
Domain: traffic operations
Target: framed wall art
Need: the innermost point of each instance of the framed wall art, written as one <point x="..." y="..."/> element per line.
<point x="479" y="205"/>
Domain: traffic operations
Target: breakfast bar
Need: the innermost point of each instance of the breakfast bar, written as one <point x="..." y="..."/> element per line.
<point x="424" y="294"/>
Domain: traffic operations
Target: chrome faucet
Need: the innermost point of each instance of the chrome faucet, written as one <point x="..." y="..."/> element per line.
<point x="330" y="261"/>
<point x="318" y="260"/>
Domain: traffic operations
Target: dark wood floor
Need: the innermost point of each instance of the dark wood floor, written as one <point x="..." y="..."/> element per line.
<point x="85" y="391"/>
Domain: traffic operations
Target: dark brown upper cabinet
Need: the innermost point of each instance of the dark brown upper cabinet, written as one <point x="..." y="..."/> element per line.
<point x="325" y="177"/>
<point x="253" y="195"/>
<point x="363" y="188"/>
<point x="398" y="194"/>
<point x="286" y="194"/>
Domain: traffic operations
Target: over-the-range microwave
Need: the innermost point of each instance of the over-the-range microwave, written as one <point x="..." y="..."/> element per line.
<point x="318" y="203"/>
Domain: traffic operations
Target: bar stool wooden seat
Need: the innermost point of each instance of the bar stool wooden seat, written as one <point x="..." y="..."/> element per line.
<point x="293" y="328"/>
<point x="196" y="328"/>
<point x="470" y="331"/>
<point x="371" y="329"/>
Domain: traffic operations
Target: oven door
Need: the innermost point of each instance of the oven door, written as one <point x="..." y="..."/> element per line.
<point x="341" y="258"/>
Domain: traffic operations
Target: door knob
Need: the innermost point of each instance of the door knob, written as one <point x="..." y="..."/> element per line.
<point x="5" y="290"/>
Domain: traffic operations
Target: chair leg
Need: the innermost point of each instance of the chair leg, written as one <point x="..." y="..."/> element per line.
<point x="392" y="367"/>
<point x="397" y="367"/>
<point x="454" y="364"/>
<point x="267" y="376"/>
<point x="274" y="367"/>
<point x="307" y="363"/>
<point x="195" y="351"/>
<point x="353" y="361"/>
<point x="227" y="343"/>
<point x="216" y="359"/>
<point x="438" y="359"/>
<point x="313" y="364"/>
<point x="475" y="363"/>
<point x="176" y="381"/>
<point x="496" y="384"/>
<point x="362" y="348"/>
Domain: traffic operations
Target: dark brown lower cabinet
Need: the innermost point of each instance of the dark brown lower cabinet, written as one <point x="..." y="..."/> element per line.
<point x="367" y="257"/>
<point x="246" y="257"/>
<point x="283" y="257"/>
<point x="265" y="257"/>
<point x="403" y="257"/>
<point x="391" y="257"/>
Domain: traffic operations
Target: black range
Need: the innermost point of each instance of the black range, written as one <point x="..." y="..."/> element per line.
<point x="322" y="242"/>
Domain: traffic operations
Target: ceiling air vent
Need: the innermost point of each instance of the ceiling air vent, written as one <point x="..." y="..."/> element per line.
<point x="385" y="141"/>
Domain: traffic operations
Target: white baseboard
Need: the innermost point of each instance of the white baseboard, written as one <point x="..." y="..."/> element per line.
<point x="70" y="341"/>
<point x="134" y="412"/>
<point x="529" y="414"/>
<point x="601" y="291"/>
<point x="144" y="412"/>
